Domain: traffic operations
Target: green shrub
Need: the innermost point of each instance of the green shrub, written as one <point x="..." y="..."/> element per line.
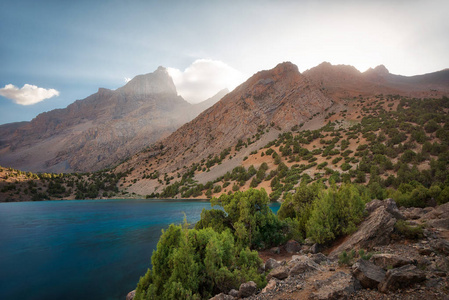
<point x="346" y="258"/>
<point x="408" y="231"/>
<point x="196" y="264"/>
<point x="335" y="212"/>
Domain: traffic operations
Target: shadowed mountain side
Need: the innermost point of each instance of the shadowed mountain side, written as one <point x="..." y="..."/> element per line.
<point x="101" y="130"/>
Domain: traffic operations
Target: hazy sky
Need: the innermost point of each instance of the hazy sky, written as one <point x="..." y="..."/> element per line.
<point x="55" y="52"/>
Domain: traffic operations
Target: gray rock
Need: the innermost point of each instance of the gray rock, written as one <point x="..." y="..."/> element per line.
<point x="308" y="242"/>
<point x="131" y="295"/>
<point x="234" y="293"/>
<point x="271" y="264"/>
<point x="389" y="204"/>
<point x="387" y="260"/>
<point x="280" y="272"/>
<point x="368" y="273"/>
<point x="292" y="246"/>
<point x="275" y="250"/>
<point x="271" y="285"/>
<point x="302" y="264"/>
<point x="247" y="289"/>
<point x="413" y="213"/>
<point x="439" y="223"/>
<point x="374" y="231"/>
<point x="338" y="286"/>
<point x="319" y="258"/>
<point x="440" y="246"/>
<point x="440" y="264"/>
<point x="316" y="248"/>
<point x="439" y="212"/>
<point x="401" y="277"/>
<point x="222" y="296"/>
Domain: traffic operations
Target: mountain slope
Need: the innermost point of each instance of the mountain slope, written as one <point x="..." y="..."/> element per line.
<point x="279" y="98"/>
<point x="100" y="130"/>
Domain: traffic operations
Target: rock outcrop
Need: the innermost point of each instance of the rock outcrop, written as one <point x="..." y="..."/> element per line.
<point x="368" y="273"/>
<point x="280" y="272"/>
<point x="339" y="286"/>
<point x="247" y="289"/>
<point x="388" y="260"/>
<point x="292" y="246"/>
<point x="401" y="277"/>
<point x="374" y="231"/>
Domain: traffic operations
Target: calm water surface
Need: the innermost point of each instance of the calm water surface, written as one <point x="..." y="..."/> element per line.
<point x="91" y="249"/>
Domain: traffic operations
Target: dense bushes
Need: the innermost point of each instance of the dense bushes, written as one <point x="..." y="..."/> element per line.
<point x="248" y="217"/>
<point x="323" y="215"/>
<point x="196" y="264"/>
<point x="215" y="256"/>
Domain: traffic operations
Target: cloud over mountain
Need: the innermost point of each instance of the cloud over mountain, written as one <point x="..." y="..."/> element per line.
<point x="28" y="94"/>
<point x="204" y="78"/>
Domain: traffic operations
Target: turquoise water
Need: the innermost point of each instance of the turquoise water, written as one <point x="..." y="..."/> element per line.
<point x="91" y="249"/>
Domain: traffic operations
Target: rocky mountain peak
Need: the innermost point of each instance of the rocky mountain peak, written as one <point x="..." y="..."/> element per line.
<point x="381" y="69"/>
<point x="158" y="82"/>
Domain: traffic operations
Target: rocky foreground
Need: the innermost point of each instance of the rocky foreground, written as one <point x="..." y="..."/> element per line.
<point x="404" y="262"/>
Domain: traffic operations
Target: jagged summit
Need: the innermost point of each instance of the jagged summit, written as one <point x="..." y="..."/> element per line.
<point x="158" y="82"/>
<point x="100" y="130"/>
<point x="379" y="70"/>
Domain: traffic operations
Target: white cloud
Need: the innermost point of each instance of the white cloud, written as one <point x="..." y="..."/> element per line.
<point x="28" y="94"/>
<point x="127" y="79"/>
<point x="204" y="78"/>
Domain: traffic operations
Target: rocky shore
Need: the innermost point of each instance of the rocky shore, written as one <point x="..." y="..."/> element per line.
<point x="395" y="254"/>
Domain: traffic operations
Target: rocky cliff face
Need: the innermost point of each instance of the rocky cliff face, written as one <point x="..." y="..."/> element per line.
<point x="101" y="130"/>
<point x="279" y="98"/>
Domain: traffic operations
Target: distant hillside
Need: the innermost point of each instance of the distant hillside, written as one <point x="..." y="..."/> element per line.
<point x="101" y="130"/>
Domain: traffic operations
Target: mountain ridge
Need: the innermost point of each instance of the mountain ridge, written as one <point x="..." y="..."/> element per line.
<point x="100" y="130"/>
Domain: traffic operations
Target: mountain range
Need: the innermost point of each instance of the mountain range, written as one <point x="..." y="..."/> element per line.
<point x="112" y="126"/>
<point x="100" y="130"/>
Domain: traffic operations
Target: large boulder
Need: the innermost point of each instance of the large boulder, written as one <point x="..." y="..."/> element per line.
<point x="271" y="285"/>
<point x="440" y="246"/>
<point x="338" y="286"/>
<point x="222" y="296"/>
<point x="319" y="258"/>
<point x="292" y="246"/>
<point x="131" y="295"/>
<point x="439" y="212"/>
<point x="437" y="217"/>
<point x="247" y="289"/>
<point x="234" y="293"/>
<point x="413" y="213"/>
<point x="302" y="264"/>
<point x="374" y="231"/>
<point x="401" y="277"/>
<point x="368" y="273"/>
<point x="388" y="261"/>
<point x="280" y="273"/>
<point x="271" y="264"/>
<point x="439" y="223"/>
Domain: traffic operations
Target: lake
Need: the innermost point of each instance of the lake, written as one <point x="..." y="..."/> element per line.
<point x="90" y="249"/>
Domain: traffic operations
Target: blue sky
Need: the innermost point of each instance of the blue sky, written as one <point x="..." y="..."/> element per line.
<point x="71" y="48"/>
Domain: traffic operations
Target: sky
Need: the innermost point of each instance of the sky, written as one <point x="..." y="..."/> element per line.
<point x="55" y="52"/>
